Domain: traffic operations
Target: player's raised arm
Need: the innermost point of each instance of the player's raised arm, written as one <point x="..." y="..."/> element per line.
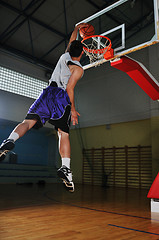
<point x="74" y="33"/>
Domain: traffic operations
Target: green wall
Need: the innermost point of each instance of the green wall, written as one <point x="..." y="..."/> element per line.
<point x="155" y="145"/>
<point x="142" y="132"/>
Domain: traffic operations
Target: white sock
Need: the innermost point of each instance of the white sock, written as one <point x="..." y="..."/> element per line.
<point x="13" y="136"/>
<point x="66" y="162"/>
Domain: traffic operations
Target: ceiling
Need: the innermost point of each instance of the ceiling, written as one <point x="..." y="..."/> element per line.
<point x="38" y="30"/>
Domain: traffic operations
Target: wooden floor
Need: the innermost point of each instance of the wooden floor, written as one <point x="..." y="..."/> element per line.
<point x="43" y="212"/>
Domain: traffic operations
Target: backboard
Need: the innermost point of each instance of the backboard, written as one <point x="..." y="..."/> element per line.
<point x="130" y="24"/>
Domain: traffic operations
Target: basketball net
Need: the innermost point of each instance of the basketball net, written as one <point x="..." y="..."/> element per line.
<point x="97" y="48"/>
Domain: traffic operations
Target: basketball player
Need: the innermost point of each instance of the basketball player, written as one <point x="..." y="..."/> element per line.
<point x="56" y="105"/>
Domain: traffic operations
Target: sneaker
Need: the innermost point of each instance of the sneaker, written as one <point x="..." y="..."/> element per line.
<point x="7" y="144"/>
<point x="5" y="147"/>
<point x="66" y="175"/>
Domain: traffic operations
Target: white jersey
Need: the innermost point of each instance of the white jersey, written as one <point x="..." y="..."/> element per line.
<point x="62" y="73"/>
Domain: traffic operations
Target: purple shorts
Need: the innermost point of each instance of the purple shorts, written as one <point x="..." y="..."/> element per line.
<point x="53" y="106"/>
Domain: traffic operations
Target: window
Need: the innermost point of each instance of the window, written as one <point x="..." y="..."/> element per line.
<point x="21" y="84"/>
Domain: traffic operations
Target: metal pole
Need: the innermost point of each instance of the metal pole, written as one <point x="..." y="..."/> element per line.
<point x="65" y="14"/>
<point x="31" y="39"/>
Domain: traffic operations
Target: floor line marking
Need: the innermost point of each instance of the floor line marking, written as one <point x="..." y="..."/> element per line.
<point x="97" y="210"/>
<point x="132" y="229"/>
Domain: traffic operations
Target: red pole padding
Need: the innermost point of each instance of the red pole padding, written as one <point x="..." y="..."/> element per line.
<point x="154" y="190"/>
<point x="138" y="72"/>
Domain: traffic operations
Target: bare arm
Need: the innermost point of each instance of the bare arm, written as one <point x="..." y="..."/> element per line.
<point x="74" y="33"/>
<point x="77" y="73"/>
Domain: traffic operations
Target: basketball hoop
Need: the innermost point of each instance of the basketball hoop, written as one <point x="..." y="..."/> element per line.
<point x="97" y="47"/>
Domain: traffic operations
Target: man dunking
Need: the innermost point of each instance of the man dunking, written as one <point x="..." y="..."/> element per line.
<point x="56" y="105"/>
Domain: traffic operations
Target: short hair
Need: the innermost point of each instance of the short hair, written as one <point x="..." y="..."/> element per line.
<point x="75" y="48"/>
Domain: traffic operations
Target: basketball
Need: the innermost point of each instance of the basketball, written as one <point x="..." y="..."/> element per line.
<point x="87" y="31"/>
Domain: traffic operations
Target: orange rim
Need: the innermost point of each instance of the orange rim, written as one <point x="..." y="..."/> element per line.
<point x="96" y="51"/>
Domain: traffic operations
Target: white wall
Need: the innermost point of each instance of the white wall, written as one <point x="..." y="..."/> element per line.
<point x="106" y="95"/>
<point x="22" y="66"/>
<point x="14" y="107"/>
<point x="154" y="69"/>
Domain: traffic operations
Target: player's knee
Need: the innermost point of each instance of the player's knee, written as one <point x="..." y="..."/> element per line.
<point x="29" y="123"/>
<point x="62" y="134"/>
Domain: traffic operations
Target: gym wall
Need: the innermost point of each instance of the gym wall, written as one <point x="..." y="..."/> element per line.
<point x="107" y="97"/>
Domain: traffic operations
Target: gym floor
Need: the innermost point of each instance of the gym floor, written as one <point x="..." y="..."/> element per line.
<point x="48" y="211"/>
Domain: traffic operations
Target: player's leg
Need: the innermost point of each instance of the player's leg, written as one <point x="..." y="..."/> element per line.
<point x="65" y="151"/>
<point x="25" y="126"/>
<point x="64" y="144"/>
<point x="60" y="109"/>
<point x="19" y="131"/>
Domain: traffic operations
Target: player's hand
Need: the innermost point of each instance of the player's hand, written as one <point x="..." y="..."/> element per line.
<point x="81" y="25"/>
<point x="74" y="117"/>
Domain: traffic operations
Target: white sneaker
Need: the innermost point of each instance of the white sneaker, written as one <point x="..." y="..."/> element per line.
<point x="66" y="175"/>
